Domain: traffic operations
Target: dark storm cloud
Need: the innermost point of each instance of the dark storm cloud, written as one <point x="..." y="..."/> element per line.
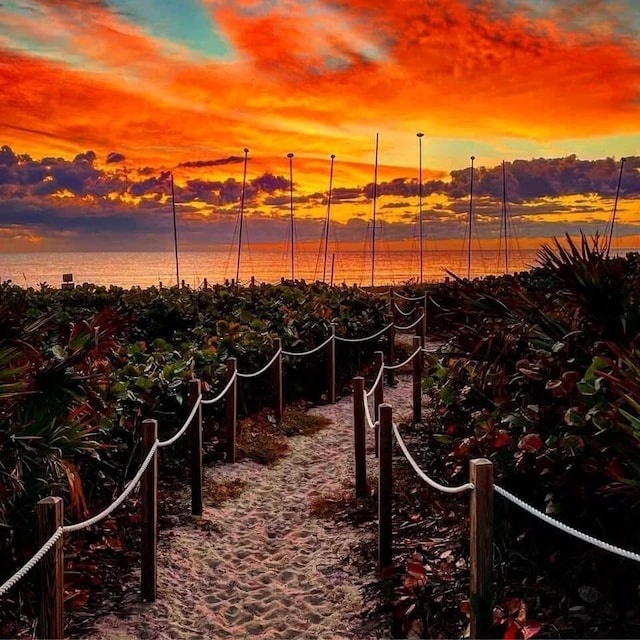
<point x="268" y="183"/>
<point x="114" y="156"/>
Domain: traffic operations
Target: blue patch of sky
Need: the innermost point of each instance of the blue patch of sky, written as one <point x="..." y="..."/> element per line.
<point x="186" y="22"/>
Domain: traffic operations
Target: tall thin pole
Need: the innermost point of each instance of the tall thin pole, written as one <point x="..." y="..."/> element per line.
<point x="244" y="184"/>
<point x="470" y="218"/>
<point x="420" y="201"/>
<point x="615" y="205"/>
<point x="326" y="225"/>
<point x="175" y="231"/>
<point x="375" y="196"/>
<point x="504" y="218"/>
<point x="293" y="272"/>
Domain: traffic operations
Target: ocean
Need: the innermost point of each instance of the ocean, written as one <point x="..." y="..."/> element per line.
<point x="267" y="263"/>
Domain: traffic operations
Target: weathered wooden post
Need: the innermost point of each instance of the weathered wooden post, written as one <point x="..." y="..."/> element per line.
<point x="196" y="449"/>
<point x="392" y="354"/>
<point x="359" y="426"/>
<point x="149" y="498"/>
<point x="50" y="516"/>
<point x="417" y="380"/>
<point x="420" y="327"/>
<point x="332" y="365"/>
<point x="481" y="551"/>
<point x="232" y="410"/>
<point x="392" y="304"/>
<point x="385" y="488"/>
<point x="378" y="398"/>
<point x="182" y="284"/>
<point x="253" y="281"/>
<point x="205" y="284"/>
<point x="277" y="380"/>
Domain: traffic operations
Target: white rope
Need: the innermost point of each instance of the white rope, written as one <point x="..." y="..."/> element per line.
<point x="266" y="366"/>
<point x="185" y="426"/>
<point x="311" y="351"/>
<point x="432" y="483"/>
<point x="630" y="555"/>
<point x="376" y="383"/>
<point x="114" y="505"/>
<point x="223" y="393"/>
<point x="367" y="413"/>
<point x="41" y="553"/>
<point x="410" y="326"/>
<point x="404" y="313"/>
<point x="375" y="335"/>
<point x="399" y="295"/>
<point x="406" y="362"/>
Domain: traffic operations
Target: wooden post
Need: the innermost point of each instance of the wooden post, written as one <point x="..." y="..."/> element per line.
<point x="277" y="381"/>
<point x="392" y="306"/>
<point x="232" y="410"/>
<point x="182" y="285"/>
<point x="196" y="449"/>
<point x="149" y="498"/>
<point x="332" y="365"/>
<point x="205" y="284"/>
<point x="378" y="397"/>
<point x="50" y="516"/>
<point x="385" y="488"/>
<point x="359" y="426"/>
<point x="253" y="281"/>
<point x="417" y="381"/>
<point x="425" y="323"/>
<point x="481" y="551"/>
<point x="392" y="354"/>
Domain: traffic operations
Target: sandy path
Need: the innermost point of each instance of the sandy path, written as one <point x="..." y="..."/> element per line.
<point x="271" y="570"/>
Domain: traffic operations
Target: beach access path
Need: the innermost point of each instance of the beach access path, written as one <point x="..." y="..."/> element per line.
<point x="266" y="568"/>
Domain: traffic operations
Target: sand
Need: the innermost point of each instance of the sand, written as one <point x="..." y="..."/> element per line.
<point x="270" y="570"/>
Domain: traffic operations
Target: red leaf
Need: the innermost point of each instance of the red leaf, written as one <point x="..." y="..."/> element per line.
<point x="531" y="629"/>
<point x="531" y="443"/>
<point x="77" y="600"/>
<point x="502" y="439"/>
<point x="512" y="632"/>
<point x="465" y="608"/>
<point x="416" y="570"/>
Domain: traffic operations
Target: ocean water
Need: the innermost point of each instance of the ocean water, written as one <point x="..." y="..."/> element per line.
<point x="267" y="264"/>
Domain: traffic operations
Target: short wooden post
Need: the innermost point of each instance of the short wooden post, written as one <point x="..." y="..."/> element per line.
<point x="392" y="354"/>
<point x="331" y="364"/>
<point x="385" y="488"/>
<point x="359" y="426"/>
<point x="253" y="281"/>
<point x="277" y="380"/>
<point x="392" y="304"/>
<point x="149" y="498"/>
<point x="205" y="284"/>
<point x="182" y="285"/>
<point x="481" y="551"/>
<point x="420" y="325"/>
<point x="232" y="410"/>
<point x="378" y="398"/>
<point x="417" y="381"/>
<point x="160" y="285"/>
<point x="50" y="516"/>
<point x="196" y="449"/>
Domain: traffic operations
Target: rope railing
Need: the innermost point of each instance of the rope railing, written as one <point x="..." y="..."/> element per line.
<point x="409" y="326"/>
<point x="301" y="354"/>
<point x="376" y="382"/>
<point x="265" y="368"/>
<point x="121" y="498"/>
<point x="402" y="312"/>
<point x="185" y="426"/>
<point x="367" y="412"/>
<point x="371" y="337"/>
<point x="405" y="362"/>
<point x="585" y="537"/>
<point x="223" y="393"/>
<point x="24" y="570"/>
<point x="408" y="298"/>
<point x="421" y="474"/>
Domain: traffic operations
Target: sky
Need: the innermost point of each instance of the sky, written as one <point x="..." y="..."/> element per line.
<point x="103" y="101"/>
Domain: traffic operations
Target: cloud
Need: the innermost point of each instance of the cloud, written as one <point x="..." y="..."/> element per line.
<point x="115" y="157"/>
<point x="211" y="163"/>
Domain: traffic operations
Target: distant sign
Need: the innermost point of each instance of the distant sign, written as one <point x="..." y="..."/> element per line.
<point x="67" y="277"/>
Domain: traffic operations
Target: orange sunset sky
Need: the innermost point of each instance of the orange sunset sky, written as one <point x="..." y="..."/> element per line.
<point x="102" y="100"/>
